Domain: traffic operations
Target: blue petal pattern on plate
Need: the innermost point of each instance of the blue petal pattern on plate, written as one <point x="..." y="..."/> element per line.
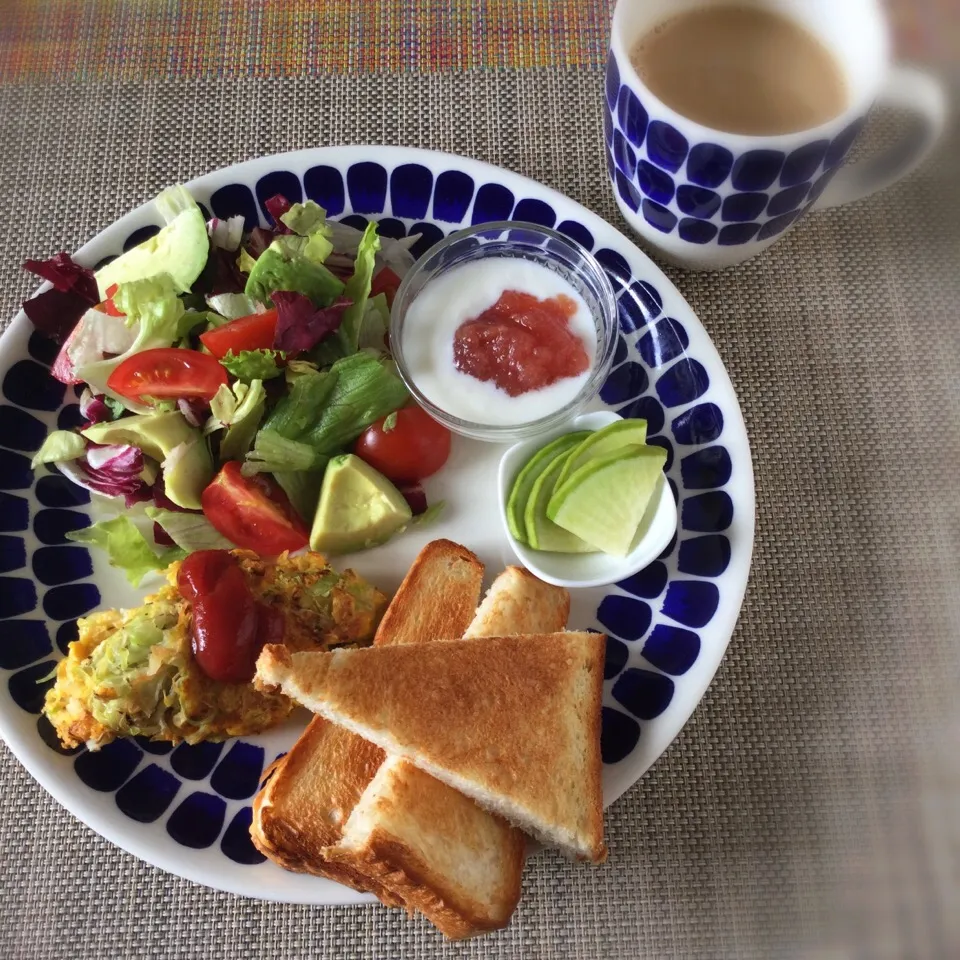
<point x="324" y="185"/>
<point x="236" y="842"/>
<point x="110" y="766"/>
<point x="238" y="774"/>
<point x="411" y="186"/>
<point x="652" y="617"/>
<point x="23" y="642"/>
<point x="197" y="822"/>
<point x="671" y="649"/>
<point x="618" y="735"/>
<point x="148" y="794"/>
<point x="281" y="182"/>
<point x="644" y="693"/>
<point x="624" y="616"/>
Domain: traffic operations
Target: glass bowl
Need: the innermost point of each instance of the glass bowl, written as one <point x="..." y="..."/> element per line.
<point x="511" y="239"/>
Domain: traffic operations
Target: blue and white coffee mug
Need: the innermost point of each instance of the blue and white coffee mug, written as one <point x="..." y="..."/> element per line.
<point x="707" y="199"/>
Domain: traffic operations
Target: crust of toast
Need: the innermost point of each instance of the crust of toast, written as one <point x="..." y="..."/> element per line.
<point x="305" y="799"/>
<point x="308" y="794"/>
<point x="457" y="865"/>
<point x="513" y="722"/>
<point x="518" y="602"/>
<point x="437" y="598"/>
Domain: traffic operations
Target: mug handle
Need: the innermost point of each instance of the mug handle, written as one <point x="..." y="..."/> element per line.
<point x="906" y="89"/>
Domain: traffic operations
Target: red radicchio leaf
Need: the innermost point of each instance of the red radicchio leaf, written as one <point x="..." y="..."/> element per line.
<point x="93" y="409"/>
<point x="55" y="314"/>
<point x="415" y="497"/>
<point x="300" y="325"/>
<point x="66" y="276"/>
<point x="277" y="206"/>
<point x="114" y="470"/>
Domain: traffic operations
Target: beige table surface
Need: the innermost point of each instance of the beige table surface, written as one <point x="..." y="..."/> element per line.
<point x="811" y="807"/>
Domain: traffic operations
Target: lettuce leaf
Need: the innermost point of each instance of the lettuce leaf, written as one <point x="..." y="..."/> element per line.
<point x="297" y="411"/>
<point x="250" y="365"/>
<point x="59" y="446"/>
<point x="375" y="323"/>
<point x="189" y="531"/>
<point x="240" y="411"/>
<point x="233" y="306"/>
<point x="126" y="547"/>
<point x="154" y="310"/>
<point x="306" y="218"/>
<point x="302" y="487"/>
<point x="357" y="290"/>
<point x="273" y="453"/>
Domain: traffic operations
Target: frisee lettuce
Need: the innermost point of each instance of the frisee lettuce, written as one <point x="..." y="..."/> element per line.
<point x="250" y="365"/>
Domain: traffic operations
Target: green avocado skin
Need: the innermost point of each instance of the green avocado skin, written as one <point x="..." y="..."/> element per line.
<point x="272" y="271"/>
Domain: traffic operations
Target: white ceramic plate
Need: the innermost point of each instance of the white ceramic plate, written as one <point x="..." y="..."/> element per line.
<point x="186" y="810"/>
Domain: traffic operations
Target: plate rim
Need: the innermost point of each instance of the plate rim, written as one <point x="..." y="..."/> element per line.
<point x="137" y="842"/>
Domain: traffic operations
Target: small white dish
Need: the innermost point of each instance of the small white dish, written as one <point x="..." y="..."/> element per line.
<point x="575" y="570"/>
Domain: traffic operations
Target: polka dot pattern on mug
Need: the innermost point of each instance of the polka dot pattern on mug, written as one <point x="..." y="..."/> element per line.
<point x="702" y="192"/>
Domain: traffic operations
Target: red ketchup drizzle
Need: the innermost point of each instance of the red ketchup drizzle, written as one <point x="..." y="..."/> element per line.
<point x="521" y="343"/>
<point x="230" y="626"/>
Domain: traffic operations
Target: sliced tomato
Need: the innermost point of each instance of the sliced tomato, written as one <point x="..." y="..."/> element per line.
<point x="168" y="372"/>
<point x="253" y="512"/>
<point x="405" y="446"/>
<point x="108" y="306"/>
<point x="386" y="282"/>
<point x="255" y="332"/>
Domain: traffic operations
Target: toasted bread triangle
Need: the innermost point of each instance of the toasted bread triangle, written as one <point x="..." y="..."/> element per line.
<point x="308" y="794"/>
<point x="513" y="722"/>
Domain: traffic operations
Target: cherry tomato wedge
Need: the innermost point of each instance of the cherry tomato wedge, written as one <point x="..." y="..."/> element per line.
<point x="255" y="332"/>
<point x="168" y="372"/>
<point x="253" y="512"/>
<point x="405" y="446"/>
<point x="108" y="306"/>
<point x="230" y="626"/>
<point x="386" y="282"/>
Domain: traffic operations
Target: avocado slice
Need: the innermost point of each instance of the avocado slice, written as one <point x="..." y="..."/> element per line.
<point x="187" y="472"/>
<point x="180" y="248"/>
<point x="280" y="268"/>
<point x="167" y="437"/>
<point x="156" y="434"/>
<point x="358" y="508"/>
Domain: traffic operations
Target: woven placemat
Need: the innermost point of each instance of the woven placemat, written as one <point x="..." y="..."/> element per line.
<point x="809" y="809"/>
<point x="61" y="40"/>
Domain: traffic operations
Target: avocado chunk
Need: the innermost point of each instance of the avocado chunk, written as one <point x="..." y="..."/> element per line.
<point x="280" y="268"/>
<point x="187" y="471"/>
<point x="156" y="434"/>
<point x="179" y="249"/>
<point x="358" y="508"/>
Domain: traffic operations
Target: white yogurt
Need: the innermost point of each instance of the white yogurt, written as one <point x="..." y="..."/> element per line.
<point x="462" y="294"/>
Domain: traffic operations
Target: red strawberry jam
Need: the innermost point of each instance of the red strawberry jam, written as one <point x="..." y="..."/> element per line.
<point x="521" y="343"/>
